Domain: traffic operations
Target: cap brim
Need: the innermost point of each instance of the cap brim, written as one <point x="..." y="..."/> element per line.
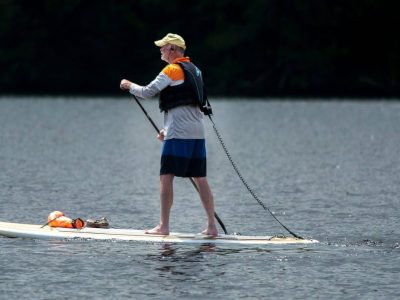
<point x="160" y="43"/>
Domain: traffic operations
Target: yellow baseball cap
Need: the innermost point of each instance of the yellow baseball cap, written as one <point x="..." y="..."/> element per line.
<point x="171" y="38"/>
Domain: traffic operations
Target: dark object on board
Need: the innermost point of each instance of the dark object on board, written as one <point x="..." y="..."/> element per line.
<point x="100" y="223"/>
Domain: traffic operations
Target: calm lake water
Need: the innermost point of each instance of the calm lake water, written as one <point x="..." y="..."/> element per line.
<point x="329" y="170"/>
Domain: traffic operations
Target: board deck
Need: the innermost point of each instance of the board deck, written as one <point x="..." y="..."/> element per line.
<point x="18" y="230"/>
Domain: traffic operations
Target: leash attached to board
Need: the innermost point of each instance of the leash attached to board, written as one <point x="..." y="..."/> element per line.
<point x="243" y="180"/>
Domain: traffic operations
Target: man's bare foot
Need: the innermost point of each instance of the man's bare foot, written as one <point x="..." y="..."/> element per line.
<point x="210" y="232"/>
<point x="157" y="230"/>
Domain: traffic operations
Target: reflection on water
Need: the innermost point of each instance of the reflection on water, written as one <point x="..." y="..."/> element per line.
<point x="187" y="262"/>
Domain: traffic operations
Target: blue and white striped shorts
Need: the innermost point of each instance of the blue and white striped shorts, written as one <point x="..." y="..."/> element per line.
<point x="184" y="158"/>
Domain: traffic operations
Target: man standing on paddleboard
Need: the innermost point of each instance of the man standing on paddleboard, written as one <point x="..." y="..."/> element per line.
<point x="180" y="86"/>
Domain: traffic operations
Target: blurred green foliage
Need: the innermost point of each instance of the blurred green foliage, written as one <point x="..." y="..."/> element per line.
<point x="245" y="48"/>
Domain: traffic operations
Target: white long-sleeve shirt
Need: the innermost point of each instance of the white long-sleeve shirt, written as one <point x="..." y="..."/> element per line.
<point x="182" y="122"/>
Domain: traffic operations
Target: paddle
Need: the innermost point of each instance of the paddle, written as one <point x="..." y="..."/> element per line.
<point x="50" y="221"/>
<point x="191" y="179"/>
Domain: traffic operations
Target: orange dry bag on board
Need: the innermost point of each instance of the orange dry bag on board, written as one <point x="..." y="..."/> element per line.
<point x="57" y="219"/>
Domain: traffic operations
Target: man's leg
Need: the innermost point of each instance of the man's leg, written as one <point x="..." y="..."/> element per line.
<point x="207" y="200"/>
<point x="166" y="200"/>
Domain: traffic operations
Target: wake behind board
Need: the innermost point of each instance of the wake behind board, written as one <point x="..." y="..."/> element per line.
<point x="18" y="230"/>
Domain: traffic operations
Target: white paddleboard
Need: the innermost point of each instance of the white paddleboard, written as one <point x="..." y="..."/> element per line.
<point x="18" y="230"/>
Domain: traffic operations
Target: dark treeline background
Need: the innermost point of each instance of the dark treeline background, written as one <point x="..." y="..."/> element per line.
<point x="252" y="48"/>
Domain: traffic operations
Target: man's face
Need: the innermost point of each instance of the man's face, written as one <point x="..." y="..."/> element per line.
<point x="165" y="52"/>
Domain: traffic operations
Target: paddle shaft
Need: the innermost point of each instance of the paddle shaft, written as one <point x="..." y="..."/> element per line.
<point x="191" y="179"/>
<point x="50" y="221"/>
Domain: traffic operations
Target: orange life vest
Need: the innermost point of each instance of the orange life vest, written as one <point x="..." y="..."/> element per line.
<point x="57" y="219"/>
